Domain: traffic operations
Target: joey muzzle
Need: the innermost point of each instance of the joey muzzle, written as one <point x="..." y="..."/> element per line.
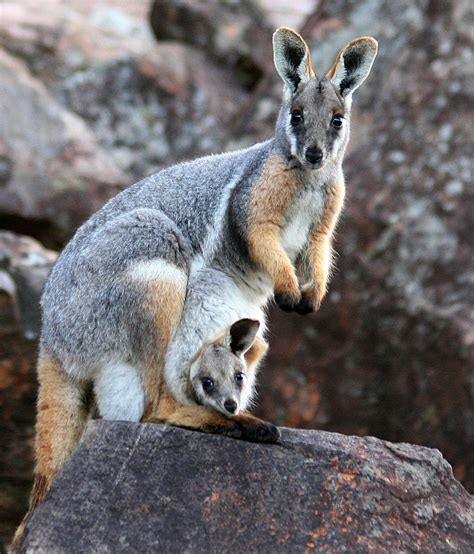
<point x="230" y="405"/>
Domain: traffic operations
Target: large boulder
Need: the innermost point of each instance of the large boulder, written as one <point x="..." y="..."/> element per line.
<point x="63" y="38"/>
<point x="152" y="110"/>
<point x="55" y="173"/>
<point x="152" y="488"/>
<point x="235" y="34"/>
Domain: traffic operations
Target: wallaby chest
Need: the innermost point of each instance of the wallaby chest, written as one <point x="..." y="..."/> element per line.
<point x="305" y="210"/>
<point x="315" y="197"/>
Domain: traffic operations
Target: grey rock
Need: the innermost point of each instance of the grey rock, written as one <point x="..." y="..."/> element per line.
<point x="24" y="267"/>
<point x="152" y="488"/>
<point x="67" y="37"/>
<point x="150" y="111"/>
<point x="56" y="172"/>
<point x="235" y="34"/>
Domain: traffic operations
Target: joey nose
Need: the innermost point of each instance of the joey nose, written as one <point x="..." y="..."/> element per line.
<point x="230" y="406"/>
<point x="314" y="155"/>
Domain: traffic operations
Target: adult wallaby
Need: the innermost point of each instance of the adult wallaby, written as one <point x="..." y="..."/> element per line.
<point x="168" y="264"/>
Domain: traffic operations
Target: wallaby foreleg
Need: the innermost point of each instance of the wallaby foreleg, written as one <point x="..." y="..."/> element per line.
<point x="201" y="418"/>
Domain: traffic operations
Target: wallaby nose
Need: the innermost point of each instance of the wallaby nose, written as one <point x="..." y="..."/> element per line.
<point x="230" y="405"/>
<point x="314" y="155"/>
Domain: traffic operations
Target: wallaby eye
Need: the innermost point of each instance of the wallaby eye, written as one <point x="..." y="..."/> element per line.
<point x="207" y="384"/>
<point x="337" y="120"/>
<point x="296" y="117"/>
<point x="239" y="377"/>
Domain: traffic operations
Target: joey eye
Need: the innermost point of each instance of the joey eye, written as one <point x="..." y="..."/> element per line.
<point x="337" y="120"/>
<point x="239" y="377"/>
<point x="296" y="117"/>
<point x="207" y="384"/>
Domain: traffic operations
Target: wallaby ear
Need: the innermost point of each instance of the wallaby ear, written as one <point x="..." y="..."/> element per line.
<point x="241" y="335"/>
<point x="292" y="57"/>
<point x="353" y="64"/>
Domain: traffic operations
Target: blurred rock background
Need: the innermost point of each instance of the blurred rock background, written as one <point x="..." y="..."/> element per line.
<point x="97" y="94"/>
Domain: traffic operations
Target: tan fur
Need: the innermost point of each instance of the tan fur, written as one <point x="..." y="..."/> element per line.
<point x="166" y="303"/>
<point x="169" y="411"/>
<point x="255" y="353"/>
<point x="198" y="417"/>
<point x="61" y="418"/>
<point x="318" y="257"/>
<point x="270" y="198"/>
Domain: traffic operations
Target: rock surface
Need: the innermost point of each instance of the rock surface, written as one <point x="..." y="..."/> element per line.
<point x="142" y="488"/>
<point x="55" y="173"/>
<point x="156" y="109"/>
<point x="236" y="34"/>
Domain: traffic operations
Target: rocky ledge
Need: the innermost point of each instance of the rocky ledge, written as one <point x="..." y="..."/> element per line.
<point x="153" y="488"/>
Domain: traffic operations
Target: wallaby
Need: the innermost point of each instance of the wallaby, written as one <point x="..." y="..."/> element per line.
<point x="221" y="378"/>
<point x="167" y="264"/>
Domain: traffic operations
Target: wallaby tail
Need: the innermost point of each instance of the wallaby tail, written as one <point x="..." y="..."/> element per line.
<point x="62" y="413"/>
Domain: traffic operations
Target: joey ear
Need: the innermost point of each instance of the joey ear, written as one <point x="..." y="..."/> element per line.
<point x="292" y="57"/>
<point x="353" y="64"/>
<point x="241" y="335"/>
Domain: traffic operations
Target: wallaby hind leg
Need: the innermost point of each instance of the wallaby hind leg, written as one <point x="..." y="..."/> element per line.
<point x="201" y="418"/>
<point x="62" y="413"/>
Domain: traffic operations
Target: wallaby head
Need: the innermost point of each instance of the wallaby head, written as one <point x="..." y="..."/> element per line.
<point x="313" y="125"/>
<point x="220" y="377"/>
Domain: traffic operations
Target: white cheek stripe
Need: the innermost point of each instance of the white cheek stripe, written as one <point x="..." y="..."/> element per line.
<point x="158" y="270"/>
<point x="291" y="137"/>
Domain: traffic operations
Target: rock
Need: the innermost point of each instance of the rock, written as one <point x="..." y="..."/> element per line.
<point x="56" y="174"/>
<point x="65" y="38"/>
<point x="142" y="488"/>
<point x="391" y="351"/>
<point x="24" y="265"/>
<point x="153" y="110"/>
<point x="236" y="34"/>
<point x="149" y="105"/>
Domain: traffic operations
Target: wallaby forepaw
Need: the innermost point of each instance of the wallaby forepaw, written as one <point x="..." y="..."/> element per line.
<point x="286" y="302"/>
<point x="310" y="302"/>
<point x="306" y="306"/>
<point x="232" y="431"/>
<point x="252" y="431"/>
<point x="260" y="432"/>
<point x="269" y="434"/>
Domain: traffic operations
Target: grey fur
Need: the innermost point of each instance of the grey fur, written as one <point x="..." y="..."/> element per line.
<point x="193" y="215"/>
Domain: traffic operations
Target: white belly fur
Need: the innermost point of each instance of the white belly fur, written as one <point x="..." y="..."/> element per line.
<point x="303" y="213"/>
